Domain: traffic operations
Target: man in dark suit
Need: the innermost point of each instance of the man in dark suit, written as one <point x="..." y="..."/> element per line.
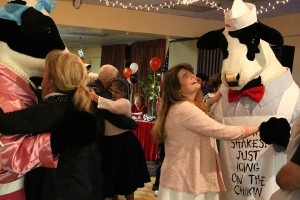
<point x="106" y="74"/>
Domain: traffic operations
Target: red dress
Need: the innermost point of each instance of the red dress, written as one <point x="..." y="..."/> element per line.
<point x="142" y="109"/>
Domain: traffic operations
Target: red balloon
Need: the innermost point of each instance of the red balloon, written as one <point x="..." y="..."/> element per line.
<point x="127" y="72"/>
<point x="155" y="63"/>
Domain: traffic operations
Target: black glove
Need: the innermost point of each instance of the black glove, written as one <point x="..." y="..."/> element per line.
<point x="77" y="130"/>
<point x="275" y="131"/>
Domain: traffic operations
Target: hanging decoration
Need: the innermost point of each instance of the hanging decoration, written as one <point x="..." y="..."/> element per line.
<point x="169" y="4"/>
<point x="80" y="51"/>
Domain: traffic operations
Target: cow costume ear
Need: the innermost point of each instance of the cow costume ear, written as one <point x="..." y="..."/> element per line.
<point x="211" y="40"/>
<point x="269" y="34"/>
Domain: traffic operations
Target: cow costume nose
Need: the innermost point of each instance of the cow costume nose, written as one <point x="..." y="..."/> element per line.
<point x="232" y="79"/>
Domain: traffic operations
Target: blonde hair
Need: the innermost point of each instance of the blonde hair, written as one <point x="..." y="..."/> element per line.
<point x="170" y="96"/>
<point x="69" y="76"/>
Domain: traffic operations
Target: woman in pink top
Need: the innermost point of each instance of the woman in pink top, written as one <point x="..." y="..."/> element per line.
<point x="191" y="167"/>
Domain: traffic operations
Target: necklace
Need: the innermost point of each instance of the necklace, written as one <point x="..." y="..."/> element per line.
<point x="17" y="71"/>
<point x="58" y="98"/>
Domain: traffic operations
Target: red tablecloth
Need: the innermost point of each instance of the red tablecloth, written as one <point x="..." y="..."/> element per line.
<point x="143" y="133"/>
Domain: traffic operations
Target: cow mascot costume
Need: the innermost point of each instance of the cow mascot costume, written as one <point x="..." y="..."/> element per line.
<point x="26" y="37"/>
<point x="255" y="87"/>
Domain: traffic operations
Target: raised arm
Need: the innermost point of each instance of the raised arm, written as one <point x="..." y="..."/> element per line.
<point x="118" y="120"/>
<point x="197" y="121"/>
<point x="33" y="120"/>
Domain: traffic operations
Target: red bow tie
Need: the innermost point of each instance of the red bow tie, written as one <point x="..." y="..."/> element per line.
<point x="255" y="94"/>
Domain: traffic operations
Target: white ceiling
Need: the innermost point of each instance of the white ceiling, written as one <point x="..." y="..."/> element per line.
<point x="73" y="35"/>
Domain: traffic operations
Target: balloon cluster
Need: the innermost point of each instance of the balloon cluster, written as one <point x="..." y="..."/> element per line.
<point x="130" y="72"/>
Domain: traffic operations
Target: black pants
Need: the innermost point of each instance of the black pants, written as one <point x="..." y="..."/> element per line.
<point x="161" y="147"/>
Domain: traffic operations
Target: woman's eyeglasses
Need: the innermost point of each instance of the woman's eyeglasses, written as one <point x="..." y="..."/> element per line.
<point x="114" y="91"/>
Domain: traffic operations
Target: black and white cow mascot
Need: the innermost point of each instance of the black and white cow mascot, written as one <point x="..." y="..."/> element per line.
<point x="27" y="35"/>
<point x="255" y="87"/>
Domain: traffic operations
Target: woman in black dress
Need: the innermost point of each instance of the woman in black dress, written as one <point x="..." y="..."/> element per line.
<point x="64" y="113"/>
<point x="125" y="167"/>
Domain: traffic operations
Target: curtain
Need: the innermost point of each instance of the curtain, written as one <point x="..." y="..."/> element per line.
<point x="141" y="53"/>
<point x="209" y="61"/>
<point x="114" y="55"/>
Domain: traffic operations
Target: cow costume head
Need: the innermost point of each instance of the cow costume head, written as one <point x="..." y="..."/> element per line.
<point x="28" y="34"/>
<point x="248" y="59"/>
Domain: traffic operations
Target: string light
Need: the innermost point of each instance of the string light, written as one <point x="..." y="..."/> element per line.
<point x="170" y="4"/>
<point x="265" y="9"/>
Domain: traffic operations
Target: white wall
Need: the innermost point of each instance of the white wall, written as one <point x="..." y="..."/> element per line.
<point x="92" y="56"/>
<point x="183" y="51"/>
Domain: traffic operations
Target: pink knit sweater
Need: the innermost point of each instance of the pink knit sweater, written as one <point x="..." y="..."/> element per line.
<point x="191" y="162"/>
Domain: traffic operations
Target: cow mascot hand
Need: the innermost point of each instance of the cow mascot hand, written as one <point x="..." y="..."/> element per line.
<point x="275" y="131"/>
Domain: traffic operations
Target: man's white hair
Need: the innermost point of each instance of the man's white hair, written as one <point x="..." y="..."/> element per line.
<point x="107" y="72"/>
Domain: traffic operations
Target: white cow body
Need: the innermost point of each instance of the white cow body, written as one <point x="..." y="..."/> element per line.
<point x="23" y="153"/>
<point x="249" y="166"/>
<point x="255" y="87"/>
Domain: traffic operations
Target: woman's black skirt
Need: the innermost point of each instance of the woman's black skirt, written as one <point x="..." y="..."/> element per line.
<point x="125" y="167"/>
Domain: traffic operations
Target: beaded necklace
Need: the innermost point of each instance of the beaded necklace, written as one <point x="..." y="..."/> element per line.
<point x="17" y="71"/>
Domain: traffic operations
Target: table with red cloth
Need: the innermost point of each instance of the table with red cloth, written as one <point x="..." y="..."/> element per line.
<point x="143" y="133"/>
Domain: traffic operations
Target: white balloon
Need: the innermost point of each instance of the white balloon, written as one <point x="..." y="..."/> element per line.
<point x="134" y="67"/>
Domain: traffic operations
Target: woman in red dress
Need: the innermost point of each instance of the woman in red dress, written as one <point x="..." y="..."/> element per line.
<point x="138" y="109"/>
